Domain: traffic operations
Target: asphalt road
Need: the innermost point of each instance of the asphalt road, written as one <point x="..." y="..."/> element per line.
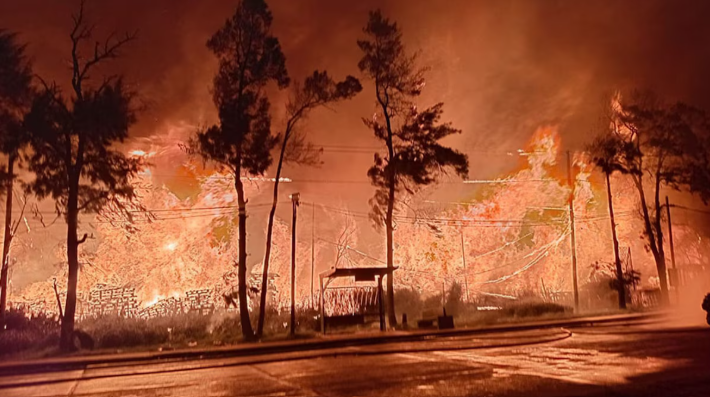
<point x="643" y="359"/>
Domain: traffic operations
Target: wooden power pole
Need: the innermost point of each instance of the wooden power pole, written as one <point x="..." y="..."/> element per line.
<point x="313" y="250"/>
<point x="465" y="274"/>
<point x="617" y="260"/>
<point x="294" y="201"/>
<point x="675" y="280"/>
<point x="572" y="234"/>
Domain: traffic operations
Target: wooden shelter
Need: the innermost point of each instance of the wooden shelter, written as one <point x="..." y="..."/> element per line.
<point x="360" y="274"/>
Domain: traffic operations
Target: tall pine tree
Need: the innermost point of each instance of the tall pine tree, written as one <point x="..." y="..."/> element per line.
<point x="73" y="155"/>
<point x="250" y="57"/>
<point x="15" y="98"/>
<point x="414" y="155"/>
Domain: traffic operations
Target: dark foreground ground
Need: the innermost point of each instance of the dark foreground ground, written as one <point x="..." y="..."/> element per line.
<point x="643" y="359"/>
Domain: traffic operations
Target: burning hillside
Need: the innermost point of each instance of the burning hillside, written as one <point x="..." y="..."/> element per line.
<point x="514" y="235"/>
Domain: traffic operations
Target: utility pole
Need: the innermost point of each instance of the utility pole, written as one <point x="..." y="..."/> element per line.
<point x="617" y="259"/>
<point x="572" y="234"/>
<point x="59" y="301"/>
<point x="676" y="279"/>
<point x="463" y="258"/>
<point x="313" y="250"/>
<point x="443" y="294"/>
<point x="294" y="201"/>
<point x="380" y="304"/>
<point x="630" y="263"/>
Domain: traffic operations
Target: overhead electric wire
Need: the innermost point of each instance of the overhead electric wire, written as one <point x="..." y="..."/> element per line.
<point x="159" y="210"/>
<point x="459" y="222"/>
<point x="452" y="222"/>
<point x="347" y="247"/>
<point x="509" y="243"/>
<point x="365" y="181"/>
<point x="256" y="205"/>
<point x="201" y="212"/>
<point x="681" y="207"/>
<point x="449" y="221"/>
<point x="530" y="264"/>
<point x="544" y="251"/>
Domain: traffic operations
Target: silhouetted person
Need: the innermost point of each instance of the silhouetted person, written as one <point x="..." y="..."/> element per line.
<point x="706" y="307"/>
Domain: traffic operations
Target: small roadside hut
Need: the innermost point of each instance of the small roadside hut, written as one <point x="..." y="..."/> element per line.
<point x="359" y="274"/>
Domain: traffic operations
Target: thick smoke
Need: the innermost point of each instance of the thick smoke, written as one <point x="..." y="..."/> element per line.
<point x="502" y="67"/>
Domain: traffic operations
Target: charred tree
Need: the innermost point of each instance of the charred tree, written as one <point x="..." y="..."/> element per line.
<point x="316" y="91"/>
<point x="411" y="137"/>
<point x="250" y="58"/>
<point x="610" y="153"/>
<point x="617" y="260"/>
<point x="665" y="146"/>
<point x="72" y="156"/>
<point x="15" y="97"/>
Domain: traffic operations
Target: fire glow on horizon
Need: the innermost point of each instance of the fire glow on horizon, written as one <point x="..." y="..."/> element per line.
<point x="515" y="234"/>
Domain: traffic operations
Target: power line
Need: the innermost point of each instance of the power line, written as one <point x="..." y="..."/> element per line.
<point x="365" y="181"/>
<point x="502" y="152"/>
<point x="347" y="247"/>
<point x="456" y="222"/>
<point x="447" y="221"/>
<point x="164" y="218"/>
<point x="691" y="209"/>
<point x="188" y="209"/>
<point x="543" y="252"/>
<point x="506" y="181"/>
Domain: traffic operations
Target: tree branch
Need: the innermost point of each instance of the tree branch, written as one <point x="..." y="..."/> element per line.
<point x="38" y="215"/>
<point x="82" y="240"/>
<point x="22" y="214"/>
<point x="103" y="196"/>
<point x="109" y="51"/>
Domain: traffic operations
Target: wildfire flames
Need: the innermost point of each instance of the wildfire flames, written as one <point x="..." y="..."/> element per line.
<point x="510" y="238"/>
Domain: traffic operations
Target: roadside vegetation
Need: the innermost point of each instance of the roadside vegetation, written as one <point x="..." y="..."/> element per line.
<point x="38" y="337"/>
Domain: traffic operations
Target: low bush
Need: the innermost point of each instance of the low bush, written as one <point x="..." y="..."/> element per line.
<point x="13" y="342"/>
<point x="24" y="333"/>
<point x="534" y="309"/>
<point x="455" y="304"/>
<point x="432" y="304"/>
<point x="226" y="329"/>
<point x="118" y="332"/>
<point x="17" y="320"/>
<point x="185" y="329"/>
<point x="308" y="320"/>
<point x="409" y="301"/>
<point x="277" y="322"/>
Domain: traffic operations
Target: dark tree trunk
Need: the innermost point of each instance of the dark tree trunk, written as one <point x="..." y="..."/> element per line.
<point x="653" y="241"/>
<point x="6" y="242"/>
<point x="661" y="256"/>
<point x="267" y="252"/>
<point x="389" y="217"/>
<point x="66" y="342"/>
<point x="247" y="330"/>
<point x="617" y="261"/>
<point x="293" y="270"/>
<point x="389" y="220"/>
<point x="660" y="259"/>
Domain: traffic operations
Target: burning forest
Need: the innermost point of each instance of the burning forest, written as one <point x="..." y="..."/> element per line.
<point x="144" y="197"/>
<point x="511" y="238"/>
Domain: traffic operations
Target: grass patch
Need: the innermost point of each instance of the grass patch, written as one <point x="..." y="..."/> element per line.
<point x="27" y="334"/>
<point x="39" y="337"/>
<point x="535" y="309"/>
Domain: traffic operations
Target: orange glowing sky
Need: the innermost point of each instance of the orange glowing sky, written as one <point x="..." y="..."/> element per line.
<point x="503" y="68"/>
